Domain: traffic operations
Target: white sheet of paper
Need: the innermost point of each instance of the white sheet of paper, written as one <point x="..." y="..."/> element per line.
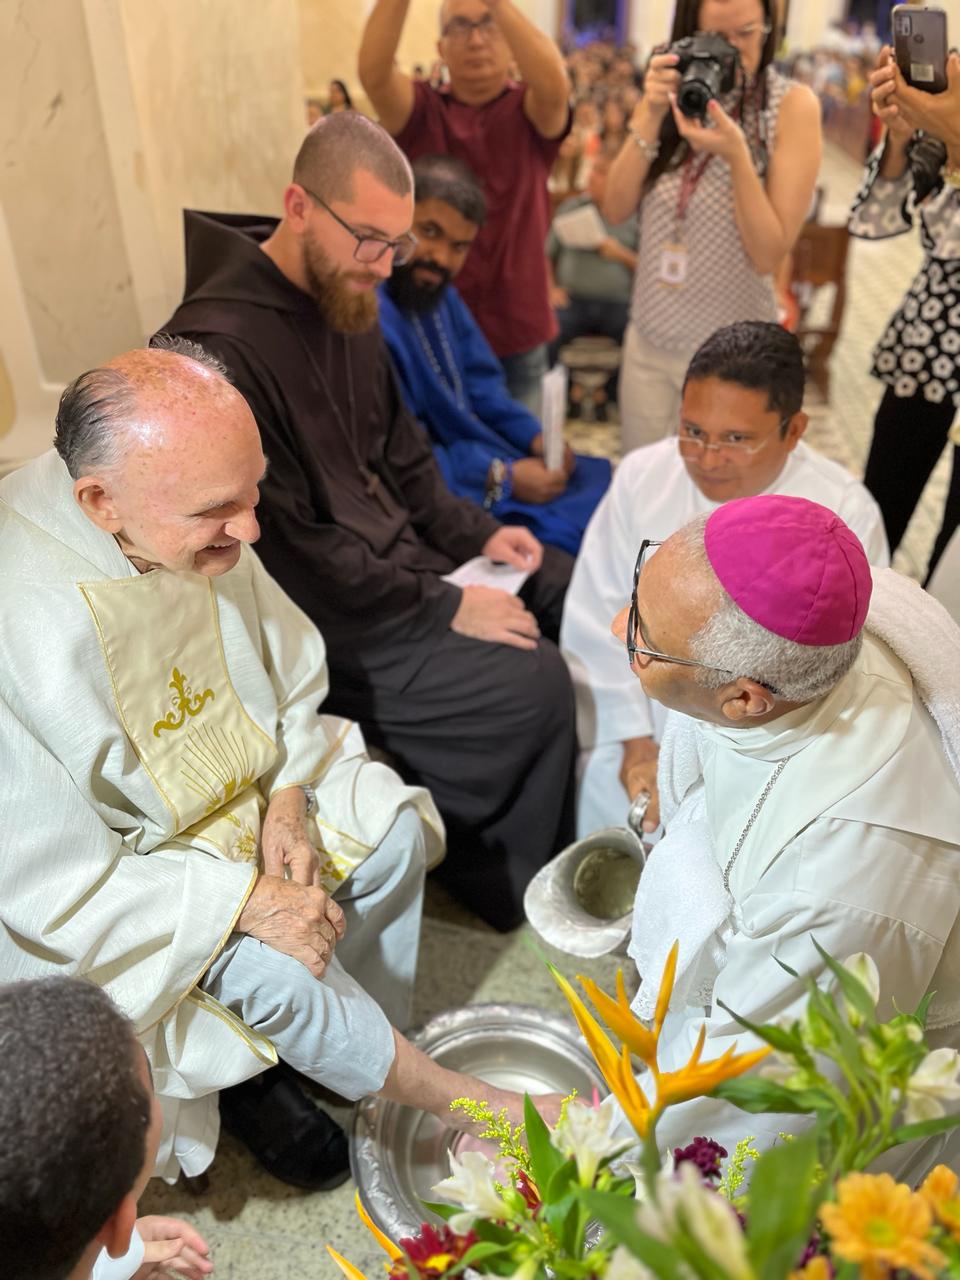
<point x="481" y="571"/>
<point x="553" y="415"/>
<point x="580" y="228"/>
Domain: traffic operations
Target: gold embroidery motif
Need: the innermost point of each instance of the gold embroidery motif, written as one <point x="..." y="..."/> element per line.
<point x="215" y="766"/>
<point x="185" y="701"/>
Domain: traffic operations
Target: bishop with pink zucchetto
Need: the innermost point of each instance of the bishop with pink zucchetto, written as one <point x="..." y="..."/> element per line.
<point x="809" y="791"/>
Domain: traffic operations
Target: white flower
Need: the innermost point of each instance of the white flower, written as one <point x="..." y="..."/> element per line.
<point x="686" y="1206"/>
<point x="934" y="1081"/>
<point x="471" y="1184"/>
<point x="624" y="1266"/>
<point x="864" y="969"/>
<point x="584" y="1133"/>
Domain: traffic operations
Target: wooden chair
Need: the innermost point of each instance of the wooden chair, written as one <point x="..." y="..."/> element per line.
<point x="819" y="259"/>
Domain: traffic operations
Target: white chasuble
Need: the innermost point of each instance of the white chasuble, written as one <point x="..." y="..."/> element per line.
<point x="145" y="722"/>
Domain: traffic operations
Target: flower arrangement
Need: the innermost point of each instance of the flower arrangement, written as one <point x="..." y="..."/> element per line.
<point x="571" y="1205"/>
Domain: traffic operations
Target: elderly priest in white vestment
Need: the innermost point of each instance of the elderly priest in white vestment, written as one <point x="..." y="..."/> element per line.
<point x="810" y="788"/>
<point x="740" y="434"/>
<point x="181" y="826"/>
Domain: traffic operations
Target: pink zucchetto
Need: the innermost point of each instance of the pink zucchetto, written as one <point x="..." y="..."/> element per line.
<point x="792" y="566"/>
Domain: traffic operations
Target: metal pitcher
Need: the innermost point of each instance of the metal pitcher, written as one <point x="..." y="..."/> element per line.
<point x="582" y="901"/>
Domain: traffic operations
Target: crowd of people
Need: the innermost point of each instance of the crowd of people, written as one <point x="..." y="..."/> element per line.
<point x="203" y="839"/>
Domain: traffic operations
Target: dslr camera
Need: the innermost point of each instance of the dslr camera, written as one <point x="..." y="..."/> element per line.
<point x="708" y="68"/>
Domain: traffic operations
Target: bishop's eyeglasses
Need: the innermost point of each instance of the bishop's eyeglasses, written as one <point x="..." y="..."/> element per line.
<point x="635" y="650"/>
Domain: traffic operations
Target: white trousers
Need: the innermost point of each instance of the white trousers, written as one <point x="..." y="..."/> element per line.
<point x="337" y="1030"/>
<point x="650" y="387"/>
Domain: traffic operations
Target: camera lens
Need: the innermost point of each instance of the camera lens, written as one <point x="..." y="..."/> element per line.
<point x="918" y="38"/>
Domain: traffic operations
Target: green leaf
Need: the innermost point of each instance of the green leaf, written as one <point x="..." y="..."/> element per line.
<point x="619" y="1216"/>
<point x="923" y="1007"/>
<point x="561" y="1182"/>
<point x="852" y="988"/>
<point x="786" y="968"/>
<point x="545" y="1159"/>
<point x="757" y="1095"/>
<point x="781" y="1206"/>
<point x="923" y="1129"/>
<point x="444" y="1211"/>
<point x="482" y="1249"/>
<point x="786" y="1041"/>
<point x="493" y="1232"/>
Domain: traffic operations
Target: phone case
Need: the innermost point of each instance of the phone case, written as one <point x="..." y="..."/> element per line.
<point x="920" y="46"/>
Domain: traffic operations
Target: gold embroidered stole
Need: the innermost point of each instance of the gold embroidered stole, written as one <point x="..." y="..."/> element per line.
<point x="160" y="636"/>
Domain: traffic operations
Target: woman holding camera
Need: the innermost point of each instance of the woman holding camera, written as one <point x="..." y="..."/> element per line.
<point x="916" y="170"/>
<point x="720" y="201"/>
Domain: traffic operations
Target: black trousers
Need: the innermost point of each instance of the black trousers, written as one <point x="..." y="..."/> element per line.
<point x="909" y="433"/>
<point x="489" y="729"/>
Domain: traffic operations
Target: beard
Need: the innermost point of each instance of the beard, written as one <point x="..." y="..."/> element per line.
<point x="412" y="295"/>
<point x="342" y="308"/>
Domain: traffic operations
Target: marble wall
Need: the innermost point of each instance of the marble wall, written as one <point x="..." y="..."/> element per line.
<point x="114" y="116"/>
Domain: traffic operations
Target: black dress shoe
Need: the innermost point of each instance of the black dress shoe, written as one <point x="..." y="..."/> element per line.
<point x="600" y="412"/>
<point x="289" y="1136"/>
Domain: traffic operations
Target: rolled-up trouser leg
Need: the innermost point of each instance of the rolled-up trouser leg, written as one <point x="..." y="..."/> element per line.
<point x="383" y="902"/>
<point x="329" y="1028"/>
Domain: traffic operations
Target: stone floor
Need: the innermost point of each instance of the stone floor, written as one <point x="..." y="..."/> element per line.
<point x="258" y="1228"/>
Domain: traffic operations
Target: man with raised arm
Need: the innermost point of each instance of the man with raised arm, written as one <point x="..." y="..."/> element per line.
<point x="509" y="134"/>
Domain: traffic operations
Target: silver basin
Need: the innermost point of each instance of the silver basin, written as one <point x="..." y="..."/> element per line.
<point x="397" y="1154"/>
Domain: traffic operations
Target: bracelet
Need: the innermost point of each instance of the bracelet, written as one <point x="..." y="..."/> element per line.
<point x="650" y="149"/>
<point x="499" y="483"/>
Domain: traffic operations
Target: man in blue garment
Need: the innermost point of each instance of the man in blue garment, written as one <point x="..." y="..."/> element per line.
<point x="488" y="446"/>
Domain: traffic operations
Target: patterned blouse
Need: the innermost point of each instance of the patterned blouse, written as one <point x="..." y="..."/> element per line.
<point x="722" y="286"/>
<point x="921" y="346"/>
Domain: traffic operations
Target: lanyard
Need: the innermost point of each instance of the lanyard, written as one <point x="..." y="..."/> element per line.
<point x="693" y="171"/>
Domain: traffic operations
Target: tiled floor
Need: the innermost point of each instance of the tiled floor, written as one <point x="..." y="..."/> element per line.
<point x="258" y="1228"/>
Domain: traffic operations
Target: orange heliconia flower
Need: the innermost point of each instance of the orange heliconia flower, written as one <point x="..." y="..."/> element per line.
<point x="690" y="1081"/>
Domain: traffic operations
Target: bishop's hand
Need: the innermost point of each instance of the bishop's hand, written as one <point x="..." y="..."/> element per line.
<point x="284" y="842"/>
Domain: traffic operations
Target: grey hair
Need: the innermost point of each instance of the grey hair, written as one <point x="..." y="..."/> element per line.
<point x="340" y="144"/>
<point x="743" y="648"/>
<point x="96" y="407"/>
<point x="74" y="1116"/>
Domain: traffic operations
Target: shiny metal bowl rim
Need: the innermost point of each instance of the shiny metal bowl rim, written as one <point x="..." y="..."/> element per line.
<point x="371" y="1174"/>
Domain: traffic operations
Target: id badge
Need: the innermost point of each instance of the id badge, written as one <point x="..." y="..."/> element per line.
<point x="673" y="265"/>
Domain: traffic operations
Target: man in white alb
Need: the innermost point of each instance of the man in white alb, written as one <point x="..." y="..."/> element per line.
<point x="740" y="434"/>
<point x="181" y="826"/>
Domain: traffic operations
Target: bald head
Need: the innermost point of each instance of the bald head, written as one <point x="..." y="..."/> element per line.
<point x="108" y="411"/>
<point x="340" y="145"/>
<point x="165" y="455"/>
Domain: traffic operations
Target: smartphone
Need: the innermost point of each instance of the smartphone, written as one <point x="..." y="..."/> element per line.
<point x="920" y="45"/>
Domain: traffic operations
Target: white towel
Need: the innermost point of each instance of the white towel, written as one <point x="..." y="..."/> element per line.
<point x="681" y="894"/>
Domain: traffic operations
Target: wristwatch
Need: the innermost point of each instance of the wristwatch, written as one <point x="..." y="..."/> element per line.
<point x="499" y="483"/>
<point x="311" y="796"/>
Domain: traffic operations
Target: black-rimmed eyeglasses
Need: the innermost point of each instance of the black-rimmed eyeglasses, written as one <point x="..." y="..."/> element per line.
<point x="370" y="248"/>
<point x="635" y="650"/>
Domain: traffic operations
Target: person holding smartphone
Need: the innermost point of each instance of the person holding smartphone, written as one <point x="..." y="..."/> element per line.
<point x="916" y="169"/>
<point x="720" y="204"/>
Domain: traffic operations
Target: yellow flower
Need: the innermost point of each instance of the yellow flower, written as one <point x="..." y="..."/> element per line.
<point x="818" y="1268"/>
<point x="881" y="1225"/>
<point x="939" y="1189"/>
<point x="348" y="1269"/>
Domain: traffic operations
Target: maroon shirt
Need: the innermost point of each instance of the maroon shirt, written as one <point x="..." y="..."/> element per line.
<point x="504" y="280"/>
